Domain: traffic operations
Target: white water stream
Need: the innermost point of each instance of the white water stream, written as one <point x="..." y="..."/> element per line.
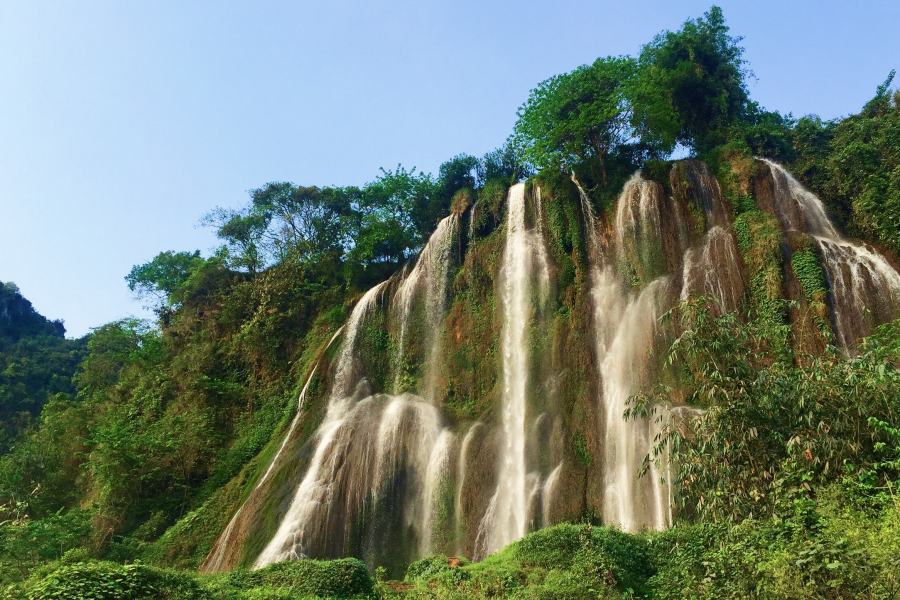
<point x="429" y="278"/>
<point x="862" y="281"/>
<point x="625" y="323"/>
<point x="524" y="260"/>
<point x="316" y="490"/>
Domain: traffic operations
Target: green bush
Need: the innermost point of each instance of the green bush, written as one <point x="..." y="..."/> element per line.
<point x="430" y="566"/>
<point x="564" y="561"/>
<point x="111" y="581"/>
<point x="344" y="578"/>
<point x="809" y="271"/>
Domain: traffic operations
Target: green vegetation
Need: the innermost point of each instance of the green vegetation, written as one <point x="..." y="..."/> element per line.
<point x="691" y="87"/>
<point x="854" y="165"/>
<point x="124" y="455"/>
<point x="809" y="272"/>
<point x="580" y="116"/>
<point x="36" y="364"/>
<point x="70" y="580"/>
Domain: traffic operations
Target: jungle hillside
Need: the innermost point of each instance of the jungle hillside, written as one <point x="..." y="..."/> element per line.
<point x="157" y="458"/>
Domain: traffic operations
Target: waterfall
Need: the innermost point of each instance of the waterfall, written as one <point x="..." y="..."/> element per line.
<point x="547" y="494"/>
<point x="863" y="285"/>
<point x="347" y="364"/>
<point x="667" y="420"/>
<point x="507" y="515"/>
<point x="624" y="326"/>
<point x="410" y="439"/>
<point x="592" y="228"/>
<point x="714" y="268"/>
<point x="638" y="226"/>
<point x="461" y="480"/>
<point x="427" y="277"/>
<point x="316" y="491"/>
<point x="435" y="478"/>
<point x="389" y="477"/>
<point x="387" y="451"/>
<point x="629" y="326"/>
<point x="216" y="559"/>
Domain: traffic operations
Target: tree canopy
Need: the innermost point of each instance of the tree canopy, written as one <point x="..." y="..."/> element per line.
<point x="577" y="116"/>
<point x="692" y="83"/>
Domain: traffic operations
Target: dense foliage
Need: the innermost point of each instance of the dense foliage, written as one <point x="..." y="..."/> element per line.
<point x="137" y="442"/>
<point x="36" y="363"/>
<point x="854" y="164"/>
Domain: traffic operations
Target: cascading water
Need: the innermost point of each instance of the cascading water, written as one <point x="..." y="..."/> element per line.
<point x="861" y="281"/>
<point x="628" y="501"/>
<point x="713" y="269"/>
<point x="389" y="478"/>
<point x="436" y="477"/>
<point x="377" y="450"/>
<point x="625" y="323"/>
<point x="429" y="278"/>
<point x="461" y="479"/>
<point x="316" y="492"/>
<point x="547" y="494"/>
<point x="524" y="258"/>
<point x="216" y="560"/>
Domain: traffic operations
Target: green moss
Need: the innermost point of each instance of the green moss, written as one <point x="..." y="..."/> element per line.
<point x="582" y="452"/>
<point x="734" y="167"/>
<point x="470" y="367"/>
<point x="809" y="271"/>
<point x="759" y="241"/>
<point x="681" y="192"/>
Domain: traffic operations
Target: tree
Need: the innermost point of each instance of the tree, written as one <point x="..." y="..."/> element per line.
<point x="397" y="214"/>
<point x="305" y="221"/>
<point x="456" y="174"/>
<point x="507" y="163"/>
<point x="36" y="363"/>
<point x="571" y="118"/>
<point x="242" y="231"/>
<point x="691" y="83"/>
<point x="159" y="279"/>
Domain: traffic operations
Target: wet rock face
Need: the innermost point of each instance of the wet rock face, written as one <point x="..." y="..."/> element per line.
<point x="704" y="189"/>
<point x="712" y="267"/>
<point x="764" y="189"/>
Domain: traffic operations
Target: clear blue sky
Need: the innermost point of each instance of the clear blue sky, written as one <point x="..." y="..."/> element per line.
<point x="122" y="122"/>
